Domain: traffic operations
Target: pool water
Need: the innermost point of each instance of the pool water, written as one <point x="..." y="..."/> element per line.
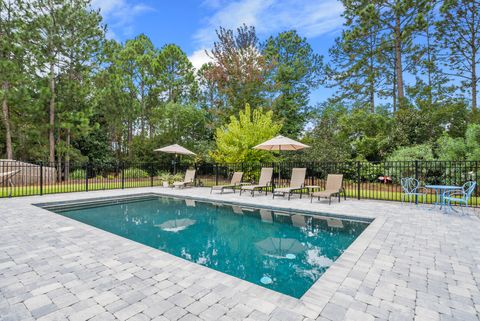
<point x="285" y="252"/>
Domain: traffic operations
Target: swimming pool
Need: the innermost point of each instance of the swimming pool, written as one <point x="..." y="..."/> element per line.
<point x="283" y="251"/>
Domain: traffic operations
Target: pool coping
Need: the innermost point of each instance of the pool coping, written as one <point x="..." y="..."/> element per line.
<point x="314" y="299"/>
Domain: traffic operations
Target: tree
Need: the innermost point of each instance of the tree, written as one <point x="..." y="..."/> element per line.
<point x="176" y="75"/>
<point x="459" y="32"/>
<point x="431" y="86"/>
<point x="13" y="63"/>
<point x="234" y="141"/>
<point x="238" y="68"/>
<point x="398" y="20"/>
<point x="137" y="62"/>
<point x="63" y="28"/>
<point x="296" y="71"/>
<point x="356" y="67"/>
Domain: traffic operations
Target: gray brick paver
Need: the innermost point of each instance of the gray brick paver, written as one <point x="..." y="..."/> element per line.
<point x="417" y="265"/>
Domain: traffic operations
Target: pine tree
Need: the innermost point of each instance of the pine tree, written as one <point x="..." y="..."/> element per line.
<point x="459" y="32"/>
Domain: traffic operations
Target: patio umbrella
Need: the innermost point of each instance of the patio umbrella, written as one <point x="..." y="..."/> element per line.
<point x="280" y="247"/>
<point x="175" y="149"/>
<point x="176" y="226"/>
<point x="280" y="143"/>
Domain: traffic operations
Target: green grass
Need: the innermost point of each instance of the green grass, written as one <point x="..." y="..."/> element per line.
<point x="374" y="192"/>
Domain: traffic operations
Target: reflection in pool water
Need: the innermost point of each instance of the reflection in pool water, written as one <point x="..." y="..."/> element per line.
<point x="284" y="252"/>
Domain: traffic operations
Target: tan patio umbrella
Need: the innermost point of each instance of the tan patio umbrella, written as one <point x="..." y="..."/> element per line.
<point x="175" y="149"/>
<point x="280" y="143"/>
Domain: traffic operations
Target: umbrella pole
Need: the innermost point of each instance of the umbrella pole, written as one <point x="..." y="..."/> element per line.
<point x="279" y="166"/>
<point x="175" y="165"/>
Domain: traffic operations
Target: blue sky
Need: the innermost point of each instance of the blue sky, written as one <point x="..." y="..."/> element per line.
<point x="191" y="24"/>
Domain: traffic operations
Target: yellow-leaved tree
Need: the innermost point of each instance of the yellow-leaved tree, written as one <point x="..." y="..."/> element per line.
<point x="234" y="141"/>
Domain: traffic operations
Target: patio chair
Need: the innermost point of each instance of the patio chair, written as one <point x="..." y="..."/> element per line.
<point x="7" y="177"/>
<point x="297" y="183"/>
<point x="234" y="183"/>
<point x="411" y="189"/>
<point x="460" y="196"/>
<point x="188" y="180"/>
<point x="333" y="187"/>
<point x="264" y="182"/>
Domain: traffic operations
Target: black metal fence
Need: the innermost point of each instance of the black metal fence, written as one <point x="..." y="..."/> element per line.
<point x="362" y="180"/>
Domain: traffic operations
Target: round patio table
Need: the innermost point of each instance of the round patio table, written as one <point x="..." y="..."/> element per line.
<point x="440" y="190"/>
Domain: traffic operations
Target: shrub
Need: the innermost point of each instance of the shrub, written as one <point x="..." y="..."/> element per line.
<point x="134" y="172"/>
<point x="78" y="174"/>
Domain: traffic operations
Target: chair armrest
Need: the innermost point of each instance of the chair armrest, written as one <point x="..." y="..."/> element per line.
<point x="453" y="192"/>
<point x="459" y="193"/>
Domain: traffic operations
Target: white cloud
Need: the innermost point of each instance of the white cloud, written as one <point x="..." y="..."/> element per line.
<point x="309" y="18"/>
<point x="198" y="58"/>
<point x="120" y="15"/>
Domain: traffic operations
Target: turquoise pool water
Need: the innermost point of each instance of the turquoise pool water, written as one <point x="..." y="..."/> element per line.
<point x="281" y="251"/>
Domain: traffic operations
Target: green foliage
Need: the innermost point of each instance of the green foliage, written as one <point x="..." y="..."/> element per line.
<point x="410" y="153"/>
<point x="234" y="142"/>
<point x="134" y="172"/>
<point x="170" y="178"/>
<point x="78" y="174"/>
<point x="461" y="148"/>
<point x="297" y="70"/>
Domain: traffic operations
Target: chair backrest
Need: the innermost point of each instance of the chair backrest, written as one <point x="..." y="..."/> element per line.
<point x="189" y="176"/>
<point x="236" y="178"/>
<point x="334" y="182"/>
<point x="265" y="176"/>
<point x="468" y="189"/>
<point x="298" y="177"/>
<point x="409" y="184"/>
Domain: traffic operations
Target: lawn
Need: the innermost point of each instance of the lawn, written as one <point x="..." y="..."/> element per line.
<point x="367" y="191"/>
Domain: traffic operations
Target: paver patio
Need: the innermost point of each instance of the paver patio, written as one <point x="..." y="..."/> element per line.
<point x="409" y="264"/>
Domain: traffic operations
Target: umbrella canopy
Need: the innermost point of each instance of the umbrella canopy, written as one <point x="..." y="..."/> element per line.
<point x="176" y="226"/>
<point x="281" y="143"/>
<point x="175" y="149"/>
<point x="280" y="247"/>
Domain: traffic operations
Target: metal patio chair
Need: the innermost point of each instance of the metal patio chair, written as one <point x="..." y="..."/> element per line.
<point x="411" y="190"/>
<point x="460" y="196"/>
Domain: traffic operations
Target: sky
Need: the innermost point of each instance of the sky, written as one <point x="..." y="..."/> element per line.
<point x="191" y="24"/>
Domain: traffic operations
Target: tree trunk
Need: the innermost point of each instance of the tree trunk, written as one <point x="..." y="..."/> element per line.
<point x="474" y="82"/>
<point x="59" y="159"/>
<point x="51" y="135"/>
<point x="6" y="123"/>
<point x="398" y="62"/>
<point x="429" y="67"/>
<point x="67" y="155"/>
<point x="142" y="106"/>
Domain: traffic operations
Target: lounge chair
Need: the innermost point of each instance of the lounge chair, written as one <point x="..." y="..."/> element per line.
<point x="188" y="181"/>
<point x="333" y="187"/>
<point x="297" y="183"/>
<point x="264" y="182"/>
<point x="234" y="183"/>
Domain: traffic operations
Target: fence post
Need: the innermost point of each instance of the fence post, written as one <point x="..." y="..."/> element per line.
<point x="358" y="179"/>
<point x="123" y="175"/>
<point x="41" y="178"/>
<point x="416" y="177"/>
<point x="151" y="175"/>
<point x="216" y="174"/>
<point x="86" y="177"/>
